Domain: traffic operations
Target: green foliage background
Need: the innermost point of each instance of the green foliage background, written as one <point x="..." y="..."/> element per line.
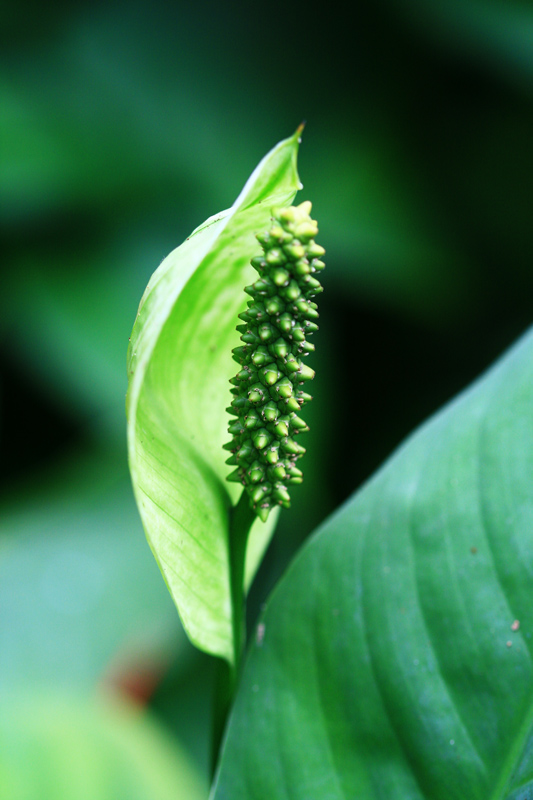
<point x="123" y="126"/>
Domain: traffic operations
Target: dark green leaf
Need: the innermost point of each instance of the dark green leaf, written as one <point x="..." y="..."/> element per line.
<point x="395" y="658"/>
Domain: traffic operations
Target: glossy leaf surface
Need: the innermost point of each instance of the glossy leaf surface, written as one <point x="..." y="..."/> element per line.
<point x="179" y="366"/>
<point x="394" y="660"/>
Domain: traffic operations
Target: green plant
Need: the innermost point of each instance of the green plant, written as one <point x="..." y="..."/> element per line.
<point x="394" y="659"/>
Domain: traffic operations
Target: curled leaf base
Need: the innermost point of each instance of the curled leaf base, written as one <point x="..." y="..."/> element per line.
<point x="268" y="389"/>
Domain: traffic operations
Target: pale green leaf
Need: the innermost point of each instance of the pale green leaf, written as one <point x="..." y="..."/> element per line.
<point x="63" y="748"/>
<point x="395" y="659"/>
<point x="179" y="365"/>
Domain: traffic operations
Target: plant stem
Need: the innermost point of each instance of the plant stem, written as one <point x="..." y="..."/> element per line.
<point x="221" y="707"/>
<point x="241" y="520"/>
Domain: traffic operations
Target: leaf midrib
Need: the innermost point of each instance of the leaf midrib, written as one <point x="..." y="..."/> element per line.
<point x="514" y="755"/>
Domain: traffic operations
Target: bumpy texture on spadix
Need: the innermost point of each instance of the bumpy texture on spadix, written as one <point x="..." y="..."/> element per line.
<point x="267" y="390"/>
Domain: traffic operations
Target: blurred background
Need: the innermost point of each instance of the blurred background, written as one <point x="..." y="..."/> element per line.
<point x="123" y="126"/>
